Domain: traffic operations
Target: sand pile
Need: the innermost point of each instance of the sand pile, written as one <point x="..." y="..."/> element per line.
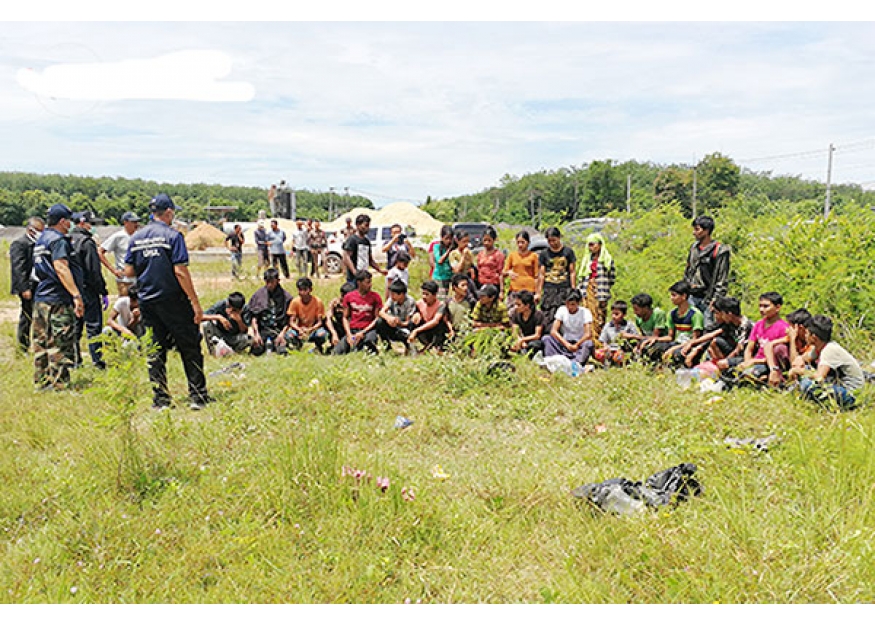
<point x="403" y="213"/>
<point x="203" y="236"/>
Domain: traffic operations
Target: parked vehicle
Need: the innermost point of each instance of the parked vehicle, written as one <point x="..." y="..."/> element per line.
<point x="378" y="235"/>
<point x="475" y="232"/>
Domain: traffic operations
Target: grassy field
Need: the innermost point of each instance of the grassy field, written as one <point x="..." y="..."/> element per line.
<point x="248" y="501"/>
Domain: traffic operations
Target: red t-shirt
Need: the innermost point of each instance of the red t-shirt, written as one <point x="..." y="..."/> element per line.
<point x="363" y="308"/>
<point x="489" y="266"/>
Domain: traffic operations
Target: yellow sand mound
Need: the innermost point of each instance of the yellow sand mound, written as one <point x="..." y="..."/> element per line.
<point x="203" y="236"/>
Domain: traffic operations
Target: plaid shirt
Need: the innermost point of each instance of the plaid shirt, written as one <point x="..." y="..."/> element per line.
<point x="497" y="313"/>
<point x="604" y="280"/>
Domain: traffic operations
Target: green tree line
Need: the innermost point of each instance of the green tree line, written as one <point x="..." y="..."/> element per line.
<point x="23" y="195"/>
<point x="600" y="187"/>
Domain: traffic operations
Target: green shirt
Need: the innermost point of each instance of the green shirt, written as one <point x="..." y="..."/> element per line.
<point x="657" y="320"/>
<point x="460" y="316"/>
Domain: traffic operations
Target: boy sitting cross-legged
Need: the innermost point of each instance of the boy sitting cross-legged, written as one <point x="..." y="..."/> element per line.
<point x="613" y="336"/>
<point x="684" y="323"/>
<point x="649" y="321"/>
<point x="767" y="352"/>
<point x="527" y="324"/>
<point x="360" y="310"/>
<point x="838" y="375"/>
<point x="432" y="332"/>
<point x="398" y="316"/>
<point x="571" y="334"/>
<point x="306" y="318"/>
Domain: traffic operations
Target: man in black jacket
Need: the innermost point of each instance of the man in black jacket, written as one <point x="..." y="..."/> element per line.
<point x="23" y="284"/>
<point x="94" y="294"/>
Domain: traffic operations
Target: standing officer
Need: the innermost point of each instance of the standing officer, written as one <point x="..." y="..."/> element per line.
<point x="169" y="305"/>
<point x="23" y="285"/>
<point x="57" y="301"/>
<point x="94" y="293"/>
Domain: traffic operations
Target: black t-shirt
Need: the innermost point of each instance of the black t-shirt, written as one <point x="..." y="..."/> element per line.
<point x="530" y="325"/>
<point x="236" y="241"/>
<point x="221" y="308"/>
<point x="557" y="265"/>
<point x="359" y="249"/>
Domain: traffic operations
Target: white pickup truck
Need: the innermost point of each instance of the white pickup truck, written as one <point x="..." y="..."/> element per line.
<point x="379" y="236"/>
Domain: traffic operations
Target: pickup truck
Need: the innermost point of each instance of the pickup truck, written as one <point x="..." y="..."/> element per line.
<point x="378" y="235"/>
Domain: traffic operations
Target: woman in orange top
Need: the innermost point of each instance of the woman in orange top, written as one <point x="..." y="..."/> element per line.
<point x="521" y="267"/>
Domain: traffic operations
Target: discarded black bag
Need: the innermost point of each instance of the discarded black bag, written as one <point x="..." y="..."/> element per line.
<point x="623" y="496"/>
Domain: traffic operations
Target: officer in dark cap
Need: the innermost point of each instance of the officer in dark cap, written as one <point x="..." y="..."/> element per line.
<point x="21" y="277"/>
<point x="57" y="301"/>
<point x="169" y="305"/>
<point x="94" y="293"/>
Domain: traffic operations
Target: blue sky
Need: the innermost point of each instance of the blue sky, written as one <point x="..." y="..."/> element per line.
<point x="404" y="110"/>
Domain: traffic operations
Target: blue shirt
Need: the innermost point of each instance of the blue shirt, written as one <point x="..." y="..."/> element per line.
<point x="277" y="238"/>
<point x="49" y="247"/>
<point x="153" y="252"/>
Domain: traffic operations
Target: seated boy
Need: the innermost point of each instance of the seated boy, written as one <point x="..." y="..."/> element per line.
<point x="399" y="314"/>
<point x="227" y="320"/>
<point x="838" y="375"/>
<point x="458" y="308"/>
<point x="399" y="271"/>
<point x="124" y="318"/>
<point x="770" y="331"/>
<point x="724" y="341"/>
<point x="489" y="312"/>
<point x="571" y="333"/>
<point x="613" y="336"/>
<point x="432" y="332"/>
<point x="649" y="321"/>
<point x="684" y="323"/>
<point x="802" y="354"/>
<point x="334" y="320"/>
<point x="527" y="324"/>
<point x="360" y="310"/>
<point x="306" y="318"/>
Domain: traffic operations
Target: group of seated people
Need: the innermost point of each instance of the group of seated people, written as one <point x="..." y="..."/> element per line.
<point x="797" y="351"/>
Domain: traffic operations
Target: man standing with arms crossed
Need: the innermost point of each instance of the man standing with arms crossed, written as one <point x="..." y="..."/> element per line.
<point x="23" y="285"/>
<point x="57" y="302"/>
<point x="169" y="305"/>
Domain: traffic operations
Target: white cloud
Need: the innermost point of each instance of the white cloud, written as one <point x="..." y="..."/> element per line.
<point x="185" y="75"/>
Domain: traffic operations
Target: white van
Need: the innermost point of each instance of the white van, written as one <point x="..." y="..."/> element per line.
<point x="378" y="235"/>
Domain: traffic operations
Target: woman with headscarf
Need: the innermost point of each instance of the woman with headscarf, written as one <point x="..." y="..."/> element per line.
<point x="595" y="278"/>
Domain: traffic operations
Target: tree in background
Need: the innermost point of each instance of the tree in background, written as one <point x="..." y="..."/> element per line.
<point x="717" y="182"/>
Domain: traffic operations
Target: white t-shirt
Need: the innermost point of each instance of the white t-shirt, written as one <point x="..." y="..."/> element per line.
<point x="398" y="274"/>
<point x="844" y="366"/>
<point x="123" y="307"/>
<point x="299" y="240"/>
<point x="117" y="244"/>
<point x="573" y="325"/>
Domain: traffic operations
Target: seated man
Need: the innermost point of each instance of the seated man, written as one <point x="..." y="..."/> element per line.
<point x="527" y="325"/>
<point x="458" y="309"/>
<point x="571" y="334"/>
<point x="360" y="310"/>
<point x="724" y="341"/>
<point x="838" y="375"/>
<point x="306" y="318"/>
<point x="767" y="353"/>
<point x="398" y="316"/>
<point x="432" y="332"/>
<point x="684" y="324"/>
<point x="227" y="320"/>
<point x="489" y="311"/>
<point x="268" y="306"/>
<point x="334" y="320"/>
<point x="124" y="318"/>
<point x="649" y="322"/>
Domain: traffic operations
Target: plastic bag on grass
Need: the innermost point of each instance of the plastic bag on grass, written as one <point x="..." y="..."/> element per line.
<point x="622" y="496"/>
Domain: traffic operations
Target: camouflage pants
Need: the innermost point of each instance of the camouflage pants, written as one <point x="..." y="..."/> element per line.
<point x="54" y="344"/>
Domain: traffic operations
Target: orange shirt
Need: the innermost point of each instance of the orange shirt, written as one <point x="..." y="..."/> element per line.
<point x="526" y="270"/>
<point x="306" y="315"/>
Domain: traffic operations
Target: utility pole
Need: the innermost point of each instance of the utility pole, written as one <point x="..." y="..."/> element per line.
<point x="346" y="199"/>
<point x="330" y="203"/>
<point x="628" y="193"/>
<point x="828" y="182"/>
<point x="694" y="192"/>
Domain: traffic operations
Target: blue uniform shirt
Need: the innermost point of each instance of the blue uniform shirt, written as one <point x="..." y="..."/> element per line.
<point x="51" y="246"/>
<point x="153" y="252"/>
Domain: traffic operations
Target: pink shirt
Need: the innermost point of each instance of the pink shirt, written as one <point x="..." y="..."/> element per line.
<point x="489" y="266"/>
<point x="760" y="333"/>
